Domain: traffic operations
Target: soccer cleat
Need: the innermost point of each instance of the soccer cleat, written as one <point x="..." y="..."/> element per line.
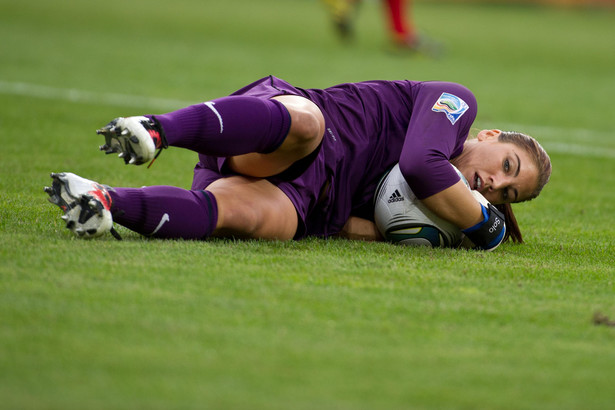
<point x="134" y="138"/>
<point x="86" y="205"/>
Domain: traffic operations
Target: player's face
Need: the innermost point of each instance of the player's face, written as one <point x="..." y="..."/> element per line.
<point x="502" y="172"/>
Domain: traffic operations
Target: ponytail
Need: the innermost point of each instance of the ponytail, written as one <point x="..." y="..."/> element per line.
<point x="513" y="231"/>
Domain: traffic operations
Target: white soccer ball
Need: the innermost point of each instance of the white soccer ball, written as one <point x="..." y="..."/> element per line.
<point x="402" y="218"/>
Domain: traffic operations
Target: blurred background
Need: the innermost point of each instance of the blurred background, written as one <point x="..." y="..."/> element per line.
<point x="543" y="62"/>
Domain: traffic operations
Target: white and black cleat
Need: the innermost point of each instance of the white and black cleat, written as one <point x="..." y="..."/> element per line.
<point x="86" y="205"/>
<point x="135" y="139"/>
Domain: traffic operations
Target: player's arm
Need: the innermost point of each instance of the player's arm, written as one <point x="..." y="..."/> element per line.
<point x="457" y="205"/>
<point x="483" y="224"/>
<point x="360" y="229"/>
<point x="449" y="198"/>
<point x="441" y="119"/>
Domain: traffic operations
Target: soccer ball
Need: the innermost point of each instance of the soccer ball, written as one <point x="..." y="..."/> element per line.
<point x="402" y="218"/>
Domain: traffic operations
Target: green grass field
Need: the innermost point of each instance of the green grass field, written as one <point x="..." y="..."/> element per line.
<point x="315" y="324"/>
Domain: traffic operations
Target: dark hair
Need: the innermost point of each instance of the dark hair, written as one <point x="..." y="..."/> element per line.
<point x="536" y="152"/>
<point x="512" y="227"/>
<point x="543" y="164"/>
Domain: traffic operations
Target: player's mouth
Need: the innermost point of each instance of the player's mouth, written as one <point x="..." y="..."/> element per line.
<point x="478" y="182"/>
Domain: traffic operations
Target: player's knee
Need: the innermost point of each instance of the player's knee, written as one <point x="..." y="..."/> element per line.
<point x="307" y="124"/>
<point x="236" y="219"/>
<point x="250" y="220"/>
<point x="253" y="208"/>
<point x="309" y="127"/>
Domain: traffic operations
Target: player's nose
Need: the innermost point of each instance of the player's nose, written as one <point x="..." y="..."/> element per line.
<point x="498" y="181"/>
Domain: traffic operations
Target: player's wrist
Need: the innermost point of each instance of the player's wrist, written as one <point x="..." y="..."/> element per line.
<point x="490" y="232"/>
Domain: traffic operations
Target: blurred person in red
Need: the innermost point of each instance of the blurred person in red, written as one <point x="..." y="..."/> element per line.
<point x="403" y="33"/>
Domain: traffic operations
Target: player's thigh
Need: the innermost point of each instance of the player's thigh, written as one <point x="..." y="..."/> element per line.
<point x="306" y="132"/>
<point x="253" y="208"/>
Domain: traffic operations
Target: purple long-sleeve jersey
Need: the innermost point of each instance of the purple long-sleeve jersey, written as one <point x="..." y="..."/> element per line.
<point x="370" y="126"/>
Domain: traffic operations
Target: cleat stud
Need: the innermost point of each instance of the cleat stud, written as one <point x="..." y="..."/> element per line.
<point x="64" y="217"/>
<point x="48" y="190"/>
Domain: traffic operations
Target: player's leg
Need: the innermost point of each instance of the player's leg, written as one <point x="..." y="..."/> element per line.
<point x="165" y="211"/>
<point x="305" y="134"/>
<point x="277" y="131"/>
<point x="239" y="206"/>
<point x="405" y="35"/>
<point x="253" y="208"/>
<point x="343" y="13"/>
<point x="236" y="206"/>
<point x="401" y="26"/>
<point x="91" y="208"/>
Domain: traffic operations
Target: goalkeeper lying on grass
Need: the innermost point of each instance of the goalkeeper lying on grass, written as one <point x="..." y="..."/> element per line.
<point x="281" y="162"/>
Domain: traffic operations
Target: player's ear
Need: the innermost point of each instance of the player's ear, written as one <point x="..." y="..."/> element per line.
<point x="488" y="134"/>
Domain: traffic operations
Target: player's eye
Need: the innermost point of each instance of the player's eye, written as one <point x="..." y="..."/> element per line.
<point x="506" y="165"/>
<point x="505" y="195"/>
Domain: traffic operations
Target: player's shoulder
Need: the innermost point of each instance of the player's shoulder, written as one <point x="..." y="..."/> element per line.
<point x="452" y="100"/>
<point x="446" y="91"/>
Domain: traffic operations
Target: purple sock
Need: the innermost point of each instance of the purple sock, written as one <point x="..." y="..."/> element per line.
<point x="165" y="211"/>
<point x="228" y="126"/>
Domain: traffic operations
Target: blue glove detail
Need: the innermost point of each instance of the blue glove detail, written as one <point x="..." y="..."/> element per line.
<point x="490" y="232"/>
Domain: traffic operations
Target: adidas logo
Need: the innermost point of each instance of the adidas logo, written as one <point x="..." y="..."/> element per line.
<point x="395" y="197"/>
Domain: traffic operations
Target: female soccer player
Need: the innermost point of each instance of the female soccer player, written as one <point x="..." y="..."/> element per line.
<point x="281" y="162"/>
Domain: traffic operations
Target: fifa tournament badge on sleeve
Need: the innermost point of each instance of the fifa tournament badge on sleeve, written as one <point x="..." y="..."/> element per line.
<point x="451" y="105"/>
